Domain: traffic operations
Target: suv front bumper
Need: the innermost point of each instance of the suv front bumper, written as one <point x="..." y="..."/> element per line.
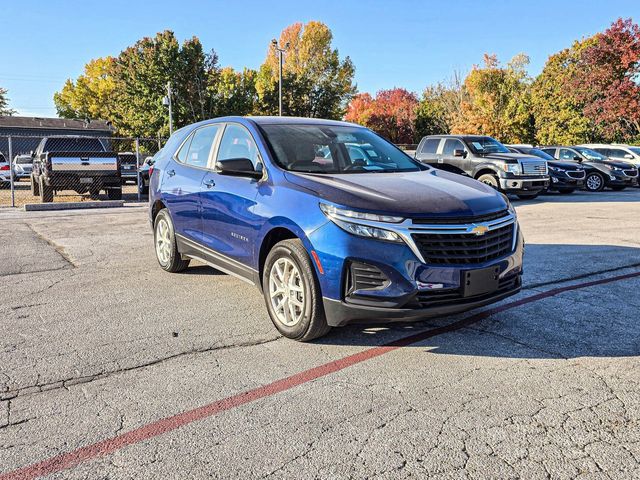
<point x="523" y="184"/>
<point x="413" y="289"/>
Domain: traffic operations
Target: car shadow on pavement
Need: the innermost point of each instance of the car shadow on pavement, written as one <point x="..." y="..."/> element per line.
<point x="598" y="321"/>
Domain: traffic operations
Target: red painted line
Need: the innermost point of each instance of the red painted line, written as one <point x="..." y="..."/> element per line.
<point x="162" y="426"/>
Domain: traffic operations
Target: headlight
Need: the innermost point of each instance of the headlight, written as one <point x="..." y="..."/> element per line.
<point x="341" y="218"/>
<point x="554" y="169"/>
<point x="333" y="211"/>
<point x="511" y="168"/>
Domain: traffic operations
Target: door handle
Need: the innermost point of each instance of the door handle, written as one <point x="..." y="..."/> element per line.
<point x="210" y="183"/>
<point x="171" y="173"/>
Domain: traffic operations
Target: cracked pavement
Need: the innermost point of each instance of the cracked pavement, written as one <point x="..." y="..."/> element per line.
<point x="98" y="341"/>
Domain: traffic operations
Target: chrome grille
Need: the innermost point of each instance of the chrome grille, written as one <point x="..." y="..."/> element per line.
<point x="533" y="167"/>
<point x="466" y="248"/>
<point x="631" y="173"/>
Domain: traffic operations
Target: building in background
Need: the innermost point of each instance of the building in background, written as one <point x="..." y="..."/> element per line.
<point x="26" y="132"/>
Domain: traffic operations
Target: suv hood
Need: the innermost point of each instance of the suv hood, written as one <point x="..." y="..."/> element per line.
<point x="508" y="157"/>
<point x="412" y="194"/>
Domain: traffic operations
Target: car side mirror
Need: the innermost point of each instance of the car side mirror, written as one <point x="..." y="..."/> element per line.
<point x="237" y="167"/>
<point x="577" y="158"/>
<point x="628" y="156"/>
<point x="459" y="153"/>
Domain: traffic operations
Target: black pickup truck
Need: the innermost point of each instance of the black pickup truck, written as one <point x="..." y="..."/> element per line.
<point x="487" y="160"/>
<point x="80" y="164"/>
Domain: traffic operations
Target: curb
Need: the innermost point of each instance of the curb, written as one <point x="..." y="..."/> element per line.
<point x="41" y="207"/>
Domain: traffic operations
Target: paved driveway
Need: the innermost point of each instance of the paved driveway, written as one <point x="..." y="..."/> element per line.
<point x="112" y="369"/>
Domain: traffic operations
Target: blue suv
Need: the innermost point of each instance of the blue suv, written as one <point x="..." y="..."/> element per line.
<point x="332" y="222"/>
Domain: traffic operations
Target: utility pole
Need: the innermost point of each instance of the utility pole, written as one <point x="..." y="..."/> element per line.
<point x="280" y="51"/>
<point x="166" y="101"/>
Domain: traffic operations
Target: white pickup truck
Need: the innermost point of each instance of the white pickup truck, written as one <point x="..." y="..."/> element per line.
<point x="80" y="164"/>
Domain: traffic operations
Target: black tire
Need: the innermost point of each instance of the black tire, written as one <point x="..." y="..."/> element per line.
<point x="114" y="193"/>
<point x="566" y="191"/>
<point x="46" y="192"/>
<point x="173" y="262"/>
<point x="528" y="196"/>
<point x="489" y="179"/>
<point x="35" y="186"/>
<point x="312" y="322"/>
<point x="594" y="182"/>
<point x="618" y="188"/>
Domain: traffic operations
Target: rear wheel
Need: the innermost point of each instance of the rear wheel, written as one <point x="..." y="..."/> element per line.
<point x="114" y="193"/>
<point x="489" y="179"/>
<point x="35" y="186"/>
<point x="292" y="293"/>
<point x="594" y="182"/>
<point x="165" y="242"/>
<point x="46" y="192"/>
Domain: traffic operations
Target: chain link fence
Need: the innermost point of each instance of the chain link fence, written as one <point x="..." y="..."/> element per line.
<point x="66" y="168"/>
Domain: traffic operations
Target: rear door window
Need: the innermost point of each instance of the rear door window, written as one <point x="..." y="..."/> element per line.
<point x="614" y="153"/>
<point x="549" y="151"/>
<point x="430" y="146"/>
<point x="197" y="149"/>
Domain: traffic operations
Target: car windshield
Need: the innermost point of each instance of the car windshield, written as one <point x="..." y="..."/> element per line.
<point x="335" y="149"/>
<point x="590" y="154"/>
<point x="485" y="145"/>
<point x="539" y="153"/>
<point x="24" y="160"/>
<point x="635" y="150"/>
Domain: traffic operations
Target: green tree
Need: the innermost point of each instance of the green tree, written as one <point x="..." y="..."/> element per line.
<point x="558" y="114"/>
<point x="499" y="100"/>
<point x="316" y="83"/>
<point x="91" y="95"/>
<point x="141" y="73"/>
<point x="235" y="92"/>
<point x="4" y="104"/>
<point x="440" y="106"/>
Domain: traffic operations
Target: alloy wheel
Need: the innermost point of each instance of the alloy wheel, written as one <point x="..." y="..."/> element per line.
<point x="163" y="241"/>
<point x="286" y="292"/>
<point x="594" y="182"/>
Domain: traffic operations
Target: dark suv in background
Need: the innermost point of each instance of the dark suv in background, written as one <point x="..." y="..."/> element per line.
<point x="487" y="160"/>
<point x="566" y="176"/>
<point x="601" y="172"/>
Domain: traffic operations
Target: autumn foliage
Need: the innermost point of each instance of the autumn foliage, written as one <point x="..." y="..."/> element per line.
<point x="392" y="113"/>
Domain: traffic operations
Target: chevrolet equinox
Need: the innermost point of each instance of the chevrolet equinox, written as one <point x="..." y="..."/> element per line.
<point x="331" y="222"/>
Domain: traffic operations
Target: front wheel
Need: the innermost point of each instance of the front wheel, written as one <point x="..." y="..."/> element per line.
<point x="489" y="179"/>
<point x="594" y="182"/>
<point x="165" y="242"/>
<point x="292" y="293"/>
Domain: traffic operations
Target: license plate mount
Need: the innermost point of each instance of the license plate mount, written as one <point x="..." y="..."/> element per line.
<point x="86" y="180"/>
<point x="481" y="281"/>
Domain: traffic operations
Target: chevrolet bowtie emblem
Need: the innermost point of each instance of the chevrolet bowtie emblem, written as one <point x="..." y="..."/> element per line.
<point x="479" y="230"/>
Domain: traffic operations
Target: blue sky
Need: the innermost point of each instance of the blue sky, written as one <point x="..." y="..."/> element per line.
<point x="407" y="44"/>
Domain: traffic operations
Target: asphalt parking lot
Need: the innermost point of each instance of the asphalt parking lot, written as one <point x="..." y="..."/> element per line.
<point x="111" y="368"/>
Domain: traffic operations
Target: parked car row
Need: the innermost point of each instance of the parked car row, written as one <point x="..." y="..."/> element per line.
<point x="527" y="171"/>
